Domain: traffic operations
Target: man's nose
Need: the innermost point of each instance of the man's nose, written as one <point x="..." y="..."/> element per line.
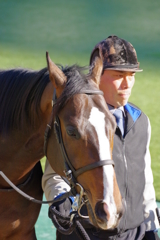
<point x="126" y="82"/>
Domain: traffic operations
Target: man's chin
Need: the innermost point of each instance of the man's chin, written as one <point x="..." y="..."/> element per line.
<point x="122" y="103"/>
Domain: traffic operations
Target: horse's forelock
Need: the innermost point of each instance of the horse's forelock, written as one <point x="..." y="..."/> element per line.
<point x="77" y="80"/>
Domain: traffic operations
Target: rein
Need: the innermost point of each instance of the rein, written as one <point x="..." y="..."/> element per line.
<point x="18" y="186"/>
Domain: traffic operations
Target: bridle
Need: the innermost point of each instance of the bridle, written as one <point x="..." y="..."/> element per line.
<point x="70" y="172"/>
<point x="71" y="175"/>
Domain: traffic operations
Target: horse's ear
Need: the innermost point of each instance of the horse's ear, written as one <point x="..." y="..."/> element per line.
<point x="97" y="66"/>
<point x="56" y="76"/>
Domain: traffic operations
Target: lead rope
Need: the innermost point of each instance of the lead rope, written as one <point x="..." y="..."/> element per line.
<point x="70" y="223"/>
<point x="69" y="226"/>
<point x="74" y="225"/>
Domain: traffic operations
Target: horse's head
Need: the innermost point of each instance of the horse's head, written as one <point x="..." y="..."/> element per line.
<point x="87" y="130"/>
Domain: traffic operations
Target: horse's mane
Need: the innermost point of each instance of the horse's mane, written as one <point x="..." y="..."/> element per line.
<point x="20" y="91"/>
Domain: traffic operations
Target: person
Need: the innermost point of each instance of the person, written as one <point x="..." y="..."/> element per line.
<point x="130" y="152"/>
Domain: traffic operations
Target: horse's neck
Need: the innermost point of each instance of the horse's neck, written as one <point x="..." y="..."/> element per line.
<point x="21" y="150"/>
<point x="18" y="157"/>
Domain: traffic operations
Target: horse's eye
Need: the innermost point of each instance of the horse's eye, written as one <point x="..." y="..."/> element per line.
<point x="73" y="132"/>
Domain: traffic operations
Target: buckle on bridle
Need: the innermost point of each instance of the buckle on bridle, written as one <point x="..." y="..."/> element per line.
<point x="68" y="174"/>
<point x="78" y="203"/>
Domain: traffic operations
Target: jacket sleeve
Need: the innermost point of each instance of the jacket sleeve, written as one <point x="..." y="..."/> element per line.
<point x="52" y="183"/>
<point x="149" y="202"/>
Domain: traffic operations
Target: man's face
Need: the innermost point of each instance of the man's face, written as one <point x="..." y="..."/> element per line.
<point x="117" y="86"/>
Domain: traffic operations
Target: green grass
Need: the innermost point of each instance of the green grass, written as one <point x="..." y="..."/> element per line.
<point x="70" y="29"/>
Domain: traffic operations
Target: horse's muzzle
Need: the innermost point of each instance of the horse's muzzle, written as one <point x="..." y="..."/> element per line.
<point x="107" y="216"/>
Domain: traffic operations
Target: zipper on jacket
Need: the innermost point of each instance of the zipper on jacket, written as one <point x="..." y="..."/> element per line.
<point x="126" y="181"/>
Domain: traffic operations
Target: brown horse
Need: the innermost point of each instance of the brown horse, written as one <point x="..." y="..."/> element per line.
<point x="25" y="110"/>
<point x="85" y="132"/>
<point x="23" y="119"/>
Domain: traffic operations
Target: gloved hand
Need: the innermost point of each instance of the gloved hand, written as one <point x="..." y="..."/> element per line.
<point x="63" y="206"/>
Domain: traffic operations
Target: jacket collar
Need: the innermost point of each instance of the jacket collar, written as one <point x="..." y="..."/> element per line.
<point x="132" y="114"/>
<point x="133" y="111"/>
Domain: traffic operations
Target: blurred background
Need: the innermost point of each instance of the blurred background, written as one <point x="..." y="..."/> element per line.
<point x="69" y="30"/>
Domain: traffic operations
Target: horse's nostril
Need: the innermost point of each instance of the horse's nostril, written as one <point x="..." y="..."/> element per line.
<point x="101" y="210"/>
<point x="105" y="207"/>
